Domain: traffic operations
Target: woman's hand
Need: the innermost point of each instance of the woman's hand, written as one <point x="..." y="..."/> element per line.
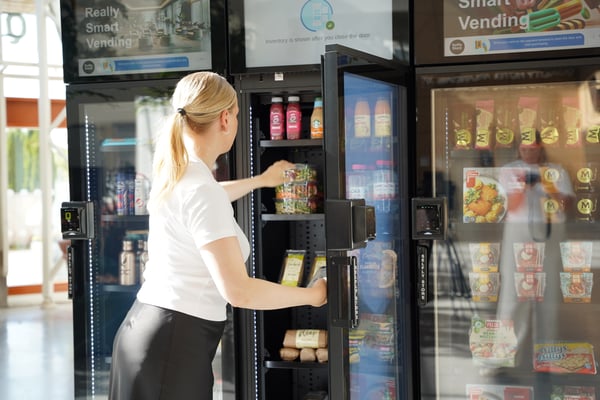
<point x="320" y="288"/>
<point x="274" y="175"/>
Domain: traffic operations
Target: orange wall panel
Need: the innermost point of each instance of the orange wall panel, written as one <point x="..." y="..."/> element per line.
<point x="23" y="113"/>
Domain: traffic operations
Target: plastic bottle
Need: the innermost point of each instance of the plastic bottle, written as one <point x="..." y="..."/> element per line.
<point x="358" y="182"/>
<point x="127" y="265"/>
<point x="362" y="119"/>
<point x="277" y="119"/>
<point x="316" y="120"/>
<point x="381" y="140"/>
<point x="293" y="118"/>
<point x="384" y="185"/>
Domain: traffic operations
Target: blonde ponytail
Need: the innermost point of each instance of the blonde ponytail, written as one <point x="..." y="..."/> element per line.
<point x="198" y="101"/>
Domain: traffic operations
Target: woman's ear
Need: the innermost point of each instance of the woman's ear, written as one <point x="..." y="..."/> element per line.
<point x="224" y="120"/>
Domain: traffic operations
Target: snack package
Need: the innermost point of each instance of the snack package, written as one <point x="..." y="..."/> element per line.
<point x="592" y="135"/>
<point x="293" y="267"/>
<point x="484" y="120"/>
<point x="499" y="392"/>
<point x="549" y="122"/>
<point x="530" y="286"/>
<point x="572" y="121"/>
<point x="301" y="338"/>
<point x="576" y="287"/>
<point x="300" y="193"/>
<point x="529" y="256"/>
<point x="528" y="119"/>
<point x="564" y="358"/>
<point x="485" y="256"/>
<point x="461" y="119"/>
<point x="485" y="286"/>
<point x="318" y="269"/>
<point x="560" y="392"/>
<point x="507" y="124"/>
<point x="576" y="256"/>
<point x="492" y="342"/>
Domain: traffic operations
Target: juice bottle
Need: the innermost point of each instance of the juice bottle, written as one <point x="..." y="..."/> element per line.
<point x="362" y="119"/>
<point x="277" y="119"/>
<point x="293" y="118"/>
<point x="383" y="117"/>
<point x="381" y="140"/>
<point x="316" y="120"/>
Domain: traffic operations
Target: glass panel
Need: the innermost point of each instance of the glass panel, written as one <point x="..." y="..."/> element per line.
<point x="513" y="282"/>
<point x="118" y="139"/>
<point x="371" y="149"/>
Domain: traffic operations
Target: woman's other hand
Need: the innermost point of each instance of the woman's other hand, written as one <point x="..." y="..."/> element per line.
<point x="274" y="175"/>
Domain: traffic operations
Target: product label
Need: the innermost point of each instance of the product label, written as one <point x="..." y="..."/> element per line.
<point x="307" y="338"/>
<point x="362" y="125"/>
<point x="383" y="125"/>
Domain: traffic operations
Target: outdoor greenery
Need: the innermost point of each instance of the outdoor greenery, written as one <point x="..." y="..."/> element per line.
<point x="23" y="159"/>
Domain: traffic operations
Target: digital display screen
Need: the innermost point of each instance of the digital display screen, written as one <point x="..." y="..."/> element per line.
<point x="301" y="29"/>
<point x="141" y="37"/>
<point x="477" y="27"/>
<point x="70" y="220"/>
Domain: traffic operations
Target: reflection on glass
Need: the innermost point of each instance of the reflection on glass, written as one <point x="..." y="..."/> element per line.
<point x="372" y="174"/>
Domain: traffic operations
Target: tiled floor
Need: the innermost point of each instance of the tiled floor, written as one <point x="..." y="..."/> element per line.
<point x="36" y="352"/>
<point x="36" y="340"/>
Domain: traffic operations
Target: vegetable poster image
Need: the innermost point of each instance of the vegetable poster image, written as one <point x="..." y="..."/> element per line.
<point x="507" y="26"/>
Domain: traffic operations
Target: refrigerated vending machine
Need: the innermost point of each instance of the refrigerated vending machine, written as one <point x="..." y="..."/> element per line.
<point x="506" y="97"/>
<point x="342" y="211"/>
<point x="121" y="66"/>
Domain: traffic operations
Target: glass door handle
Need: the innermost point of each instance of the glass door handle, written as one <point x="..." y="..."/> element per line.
<point x="343" y="291"/>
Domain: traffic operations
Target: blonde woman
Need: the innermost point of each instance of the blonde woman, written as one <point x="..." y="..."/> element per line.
<point x="165" y="346"/>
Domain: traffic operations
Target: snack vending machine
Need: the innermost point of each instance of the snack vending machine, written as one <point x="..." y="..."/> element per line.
<point x="507" y="145"/>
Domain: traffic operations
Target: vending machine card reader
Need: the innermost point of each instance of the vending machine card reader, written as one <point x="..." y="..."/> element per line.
<point x="77" y="220"/>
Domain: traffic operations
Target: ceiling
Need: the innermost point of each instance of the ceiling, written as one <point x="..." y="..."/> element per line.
<point x="17" y="6"/>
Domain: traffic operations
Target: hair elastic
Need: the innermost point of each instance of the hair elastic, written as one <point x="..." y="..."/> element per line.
<point x="181" y="111"/>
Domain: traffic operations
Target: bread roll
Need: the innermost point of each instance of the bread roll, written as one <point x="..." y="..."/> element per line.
<point x="308" y="355"/>
<point x="288" y="354"/>
<point x="322" y="355"/>
<point x="303" y="338"/>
